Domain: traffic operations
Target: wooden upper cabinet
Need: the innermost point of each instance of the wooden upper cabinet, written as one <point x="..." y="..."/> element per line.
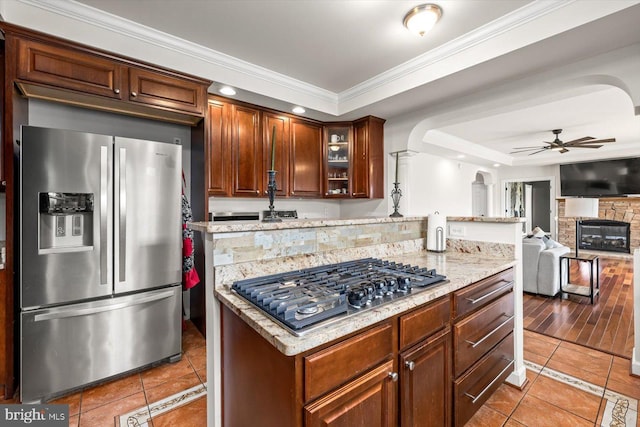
<point x="60" y="70"/>
<point x="281" y="164"/>
<point x="360" y="161"/>
<point x="306" y="159"/>
<point x="218" y="151"/>
<point x="368" y="158"/>
<point x="170" y="92"/>
<point x="246" y="154"/>
<point x="70" y="69"/>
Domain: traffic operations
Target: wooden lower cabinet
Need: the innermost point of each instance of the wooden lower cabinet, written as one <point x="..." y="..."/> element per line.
<point x="425" y="383"/>
<point x="369" y="400"/>
<point x="398" y="372"/>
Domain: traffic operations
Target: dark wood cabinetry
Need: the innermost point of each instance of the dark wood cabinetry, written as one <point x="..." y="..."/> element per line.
<point x="306" y="159"/>
<point x="425" y="381"/>
<point x="57" y="70"/>
<point x="246" y="151"/>
<point x="482" y="342"/>
<point x="281" y="163"/>
<point x="369" y="400"/>
<point x="368" y="161"/>
<point x="218" y="151"/>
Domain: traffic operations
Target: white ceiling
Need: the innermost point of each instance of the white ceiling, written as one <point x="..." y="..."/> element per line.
<point x="342" y="59"/>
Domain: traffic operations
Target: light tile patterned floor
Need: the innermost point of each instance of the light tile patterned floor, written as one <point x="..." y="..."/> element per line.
<point x="568" y="385"/>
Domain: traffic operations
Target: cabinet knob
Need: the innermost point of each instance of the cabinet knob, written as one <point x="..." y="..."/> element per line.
<point x="257" y="191"/>
<point x="353" y="194"/>
<point x="134" y="94"/>
<point x="410" y="365"/>
<point x="116" y="90"/>
<point x="393" y="376"/>
<point x="293" y="192"/>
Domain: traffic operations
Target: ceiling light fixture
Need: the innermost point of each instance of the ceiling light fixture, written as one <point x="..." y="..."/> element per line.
<point x="227" y="90"/>
<point x="422" y="18"/>
<point x="298" y="110"/>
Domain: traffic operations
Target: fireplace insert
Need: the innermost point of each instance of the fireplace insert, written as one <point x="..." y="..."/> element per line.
<point x="604" y="235"/>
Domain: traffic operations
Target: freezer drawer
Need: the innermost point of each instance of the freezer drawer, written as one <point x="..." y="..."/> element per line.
<point x="70" y="346"/>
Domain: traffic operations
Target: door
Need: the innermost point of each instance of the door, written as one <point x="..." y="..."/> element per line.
<point x="65" y="204"/>
<point x="425" y="381"/>
<point x="148" y="224"/>
<point x="67" y="347"/>
<point x="306" y="159"/>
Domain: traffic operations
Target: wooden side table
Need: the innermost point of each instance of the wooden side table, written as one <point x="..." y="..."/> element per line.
<point x="585" y="291"/>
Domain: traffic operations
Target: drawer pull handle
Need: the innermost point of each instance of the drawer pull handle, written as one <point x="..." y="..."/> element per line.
<point x="477" y="343"/>
<point x="493" y="292"/>
<point x="410" y="365"/>
<point x="393" y="376"/>
<point x="484" y="390"/>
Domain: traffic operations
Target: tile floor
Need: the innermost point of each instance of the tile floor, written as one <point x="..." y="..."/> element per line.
<point x="569" y="385"/>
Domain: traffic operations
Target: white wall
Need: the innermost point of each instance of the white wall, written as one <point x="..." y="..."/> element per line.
<point x="440" y="184"/>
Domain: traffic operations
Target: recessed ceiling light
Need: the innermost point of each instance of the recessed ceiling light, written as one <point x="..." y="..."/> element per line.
<point x="460" y="156"/>
<point x="227" y="90"/>
<point x="298" y="109"/>
<point x="496" y="165"/>
<point x="422" y="18"/>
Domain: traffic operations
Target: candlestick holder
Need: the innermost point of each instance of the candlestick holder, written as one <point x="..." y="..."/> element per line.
<point x="271" y="191"/>
<point x="396" y="193"/>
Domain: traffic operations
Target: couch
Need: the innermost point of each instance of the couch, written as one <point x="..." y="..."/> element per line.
<point x="541" y="266"/>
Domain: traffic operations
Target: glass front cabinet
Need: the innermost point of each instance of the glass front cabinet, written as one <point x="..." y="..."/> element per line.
<point x="338" y="170"/>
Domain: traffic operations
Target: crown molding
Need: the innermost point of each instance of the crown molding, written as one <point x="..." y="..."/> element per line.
<point x="92" y="16"/>
<point x="515" y="19"/>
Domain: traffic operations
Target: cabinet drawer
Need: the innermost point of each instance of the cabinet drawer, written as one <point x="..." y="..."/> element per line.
<point x="474" y="296"/>
<point x="481" y="331"/>
<point x="423" y="322"/>
<point x="337" y="364"/>
<point x="474" y="388"/>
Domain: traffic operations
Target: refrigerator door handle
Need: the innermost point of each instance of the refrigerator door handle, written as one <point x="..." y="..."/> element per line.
<point x="122" y="232"/>
<point x="85" y="311"/>
<point x="104" y="194"/>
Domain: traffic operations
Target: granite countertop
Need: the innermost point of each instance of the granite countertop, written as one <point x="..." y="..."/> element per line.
<point x="461" y="270"/>
<point x="235" y="226"/>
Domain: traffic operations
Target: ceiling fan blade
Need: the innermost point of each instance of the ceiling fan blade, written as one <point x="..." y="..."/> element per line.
<point x="539" y="151"/>
<point x="588" y="146"/>
<point x="595" y="141"/>
<point x="586" y="138"/>
<point x="527" y="148"/>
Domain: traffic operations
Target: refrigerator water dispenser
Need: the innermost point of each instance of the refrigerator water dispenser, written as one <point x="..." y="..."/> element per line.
<point x="65" y="222"/>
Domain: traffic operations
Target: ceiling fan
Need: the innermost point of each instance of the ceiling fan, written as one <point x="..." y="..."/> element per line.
<point x="563" y="147"/>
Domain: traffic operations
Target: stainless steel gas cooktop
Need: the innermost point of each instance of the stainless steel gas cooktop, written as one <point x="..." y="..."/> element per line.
<point x="307" y="299"/>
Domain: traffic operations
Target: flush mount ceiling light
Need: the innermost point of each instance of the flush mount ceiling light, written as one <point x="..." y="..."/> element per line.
<point x="227" y="90"/>
<point x="298" y="110"/>
<point x="422" y="18"/>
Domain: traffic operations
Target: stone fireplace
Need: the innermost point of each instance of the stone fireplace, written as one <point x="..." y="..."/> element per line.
<point x="618" y="209"/>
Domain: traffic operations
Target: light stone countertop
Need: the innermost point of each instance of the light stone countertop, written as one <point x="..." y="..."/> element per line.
<point x="235" y="226"/>
<point x="461" y="270"/>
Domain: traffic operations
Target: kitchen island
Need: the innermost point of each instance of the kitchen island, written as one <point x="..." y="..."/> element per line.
<point x="240" y="251"/>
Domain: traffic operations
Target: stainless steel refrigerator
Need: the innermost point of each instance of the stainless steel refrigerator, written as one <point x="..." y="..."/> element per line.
<point x="100" y="258"/>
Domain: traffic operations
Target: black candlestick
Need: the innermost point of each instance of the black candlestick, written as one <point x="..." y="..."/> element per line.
<point x="271" y="190"/>
<point x="396" y="193"/>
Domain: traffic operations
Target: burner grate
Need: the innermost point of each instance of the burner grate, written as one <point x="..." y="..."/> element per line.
<point x="309" y="297"/>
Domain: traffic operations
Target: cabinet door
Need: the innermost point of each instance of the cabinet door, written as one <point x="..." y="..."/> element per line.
<point x="281" y="164"/>
<point x="306" y="159"/>
<point x="369" y="400"/>
<point x="246" y="149"/>
<point x="360" y="173"/>
<point x="425" y="381"/>
<point x="168" y="92"/>
<point x="69" y="69"/>
<point x="218" y="152"/>
<point x="338" y="160"/>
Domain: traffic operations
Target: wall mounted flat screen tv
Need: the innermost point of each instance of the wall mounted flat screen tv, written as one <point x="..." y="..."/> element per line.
<point x="618" y="177"/>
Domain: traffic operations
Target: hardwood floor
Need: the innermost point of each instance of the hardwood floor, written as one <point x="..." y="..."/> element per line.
<point x="607" y="325"/>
